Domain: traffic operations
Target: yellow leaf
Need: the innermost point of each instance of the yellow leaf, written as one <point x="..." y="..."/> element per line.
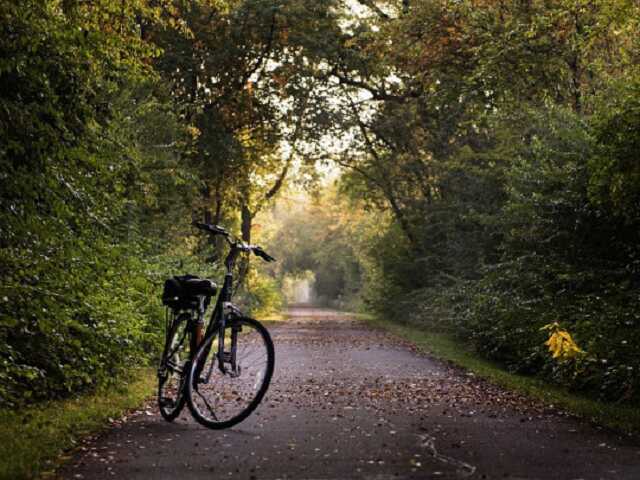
<point x="560" y="343"/>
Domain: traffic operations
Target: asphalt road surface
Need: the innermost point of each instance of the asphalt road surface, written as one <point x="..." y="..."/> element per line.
<point x="351" y="402"/>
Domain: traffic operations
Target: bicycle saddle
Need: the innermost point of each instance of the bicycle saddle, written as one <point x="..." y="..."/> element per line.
<point x="195" y="286"/>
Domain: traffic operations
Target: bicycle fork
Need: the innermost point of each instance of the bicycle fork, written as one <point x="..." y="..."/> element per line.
<point x="229" y="310"/>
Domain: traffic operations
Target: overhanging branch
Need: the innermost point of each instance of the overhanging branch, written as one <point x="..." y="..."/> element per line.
<point x="370" y="4"/>
<point x="376" y="93"/>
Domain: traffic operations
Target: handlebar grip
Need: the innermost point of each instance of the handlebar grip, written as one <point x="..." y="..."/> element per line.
<point x="262" y="254"/>
<point x="201" y="226"/>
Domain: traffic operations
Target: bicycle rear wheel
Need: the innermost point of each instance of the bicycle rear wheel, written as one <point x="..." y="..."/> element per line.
<point x="220" y="400"/>
<point x="174" y="367"/>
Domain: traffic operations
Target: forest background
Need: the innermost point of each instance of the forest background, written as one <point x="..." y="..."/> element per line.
<point x="483" y="155"/>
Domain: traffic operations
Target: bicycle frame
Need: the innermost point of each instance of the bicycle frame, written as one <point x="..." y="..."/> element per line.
<point x="222" y="309"/>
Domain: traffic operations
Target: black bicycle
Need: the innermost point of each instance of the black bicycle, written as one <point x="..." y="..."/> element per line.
<point x="224" y="374"/>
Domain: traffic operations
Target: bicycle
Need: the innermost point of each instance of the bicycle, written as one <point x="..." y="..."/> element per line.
<point x="221" y="386"/>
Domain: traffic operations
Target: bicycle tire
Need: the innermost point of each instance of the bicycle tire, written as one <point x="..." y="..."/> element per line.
<point x="177" y="344"/>
<point x="205" y="362"/>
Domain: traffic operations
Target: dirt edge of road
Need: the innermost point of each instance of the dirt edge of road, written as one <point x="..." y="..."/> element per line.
<point x="617" y="419"/>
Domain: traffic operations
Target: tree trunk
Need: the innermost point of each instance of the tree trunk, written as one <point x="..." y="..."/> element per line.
<point x="245" y="229"/>
<point x="400" y="217"/>
<point x="247" y="220"/>
<point x="218" y="198"/>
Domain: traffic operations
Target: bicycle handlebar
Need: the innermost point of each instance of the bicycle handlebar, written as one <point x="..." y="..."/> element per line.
<point x="207" y="227"/>
<point x="217" y="230"/>
<point x="259" y="252"/>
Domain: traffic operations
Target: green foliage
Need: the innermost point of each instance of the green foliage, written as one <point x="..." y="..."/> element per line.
<point x="320" y="236"/>
<point x="114" y="131"/>
<point x="79" y="164"/>
<point x="565" y="259"/>
<point x="615" y="172"/>
<point x="263" y="295"/>
<point x="501" y="139"/>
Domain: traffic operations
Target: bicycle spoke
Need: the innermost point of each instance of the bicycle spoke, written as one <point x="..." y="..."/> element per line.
<point x="213" y="414"/>
<point x="172" y="371"/>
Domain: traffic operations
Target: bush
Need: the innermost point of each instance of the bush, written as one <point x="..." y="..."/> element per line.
<point x="566" y="259"/>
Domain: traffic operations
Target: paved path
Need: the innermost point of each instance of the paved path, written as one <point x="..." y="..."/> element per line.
<point x="349" y="402"/>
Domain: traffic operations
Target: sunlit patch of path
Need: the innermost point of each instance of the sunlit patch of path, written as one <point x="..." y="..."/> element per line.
<point x="348" y="401"/>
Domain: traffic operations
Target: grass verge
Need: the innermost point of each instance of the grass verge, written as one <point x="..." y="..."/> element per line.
<point x="272" y="318"/>
<point x="34" y="438"/>
<point x="618" y="417"/>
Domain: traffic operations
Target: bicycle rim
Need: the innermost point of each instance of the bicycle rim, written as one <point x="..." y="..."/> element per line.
<point x="173" y="370"/>
<point x="220" y="400"/>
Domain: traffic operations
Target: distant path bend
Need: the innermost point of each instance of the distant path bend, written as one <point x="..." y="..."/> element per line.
<point x="351" y="402"/>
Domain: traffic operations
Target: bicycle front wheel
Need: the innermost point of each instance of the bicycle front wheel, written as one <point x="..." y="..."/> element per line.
<point x="220" y="399"/>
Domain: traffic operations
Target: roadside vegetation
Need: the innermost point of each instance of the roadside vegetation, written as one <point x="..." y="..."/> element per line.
<point x="35" y="438"/>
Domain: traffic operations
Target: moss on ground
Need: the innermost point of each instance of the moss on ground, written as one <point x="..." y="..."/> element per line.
<point x="35" y="439"/>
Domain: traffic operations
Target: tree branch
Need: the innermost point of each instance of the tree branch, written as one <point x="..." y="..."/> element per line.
<point x="385" y="185"/>
<point x="280" y="180"/>
<point x="376" y="93"/>
<point x="265" y="50"/>
<point x="370" y="4"/>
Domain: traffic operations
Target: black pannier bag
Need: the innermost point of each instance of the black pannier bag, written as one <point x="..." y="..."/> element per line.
<point x="174" y="296"/>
